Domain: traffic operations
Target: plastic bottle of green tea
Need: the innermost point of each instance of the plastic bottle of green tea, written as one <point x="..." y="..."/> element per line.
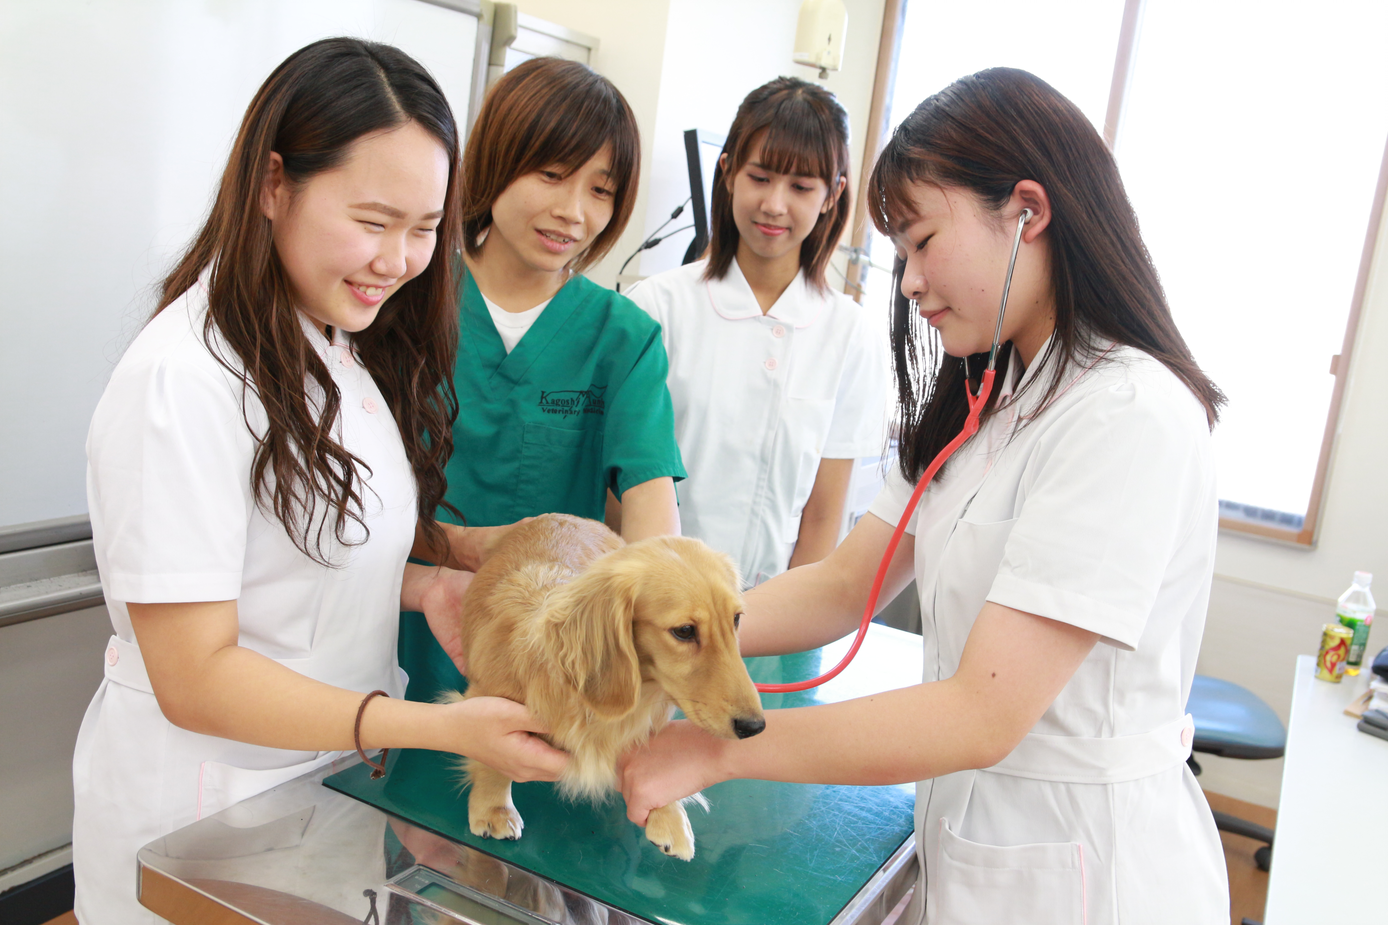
<point x="1356" y="611"/>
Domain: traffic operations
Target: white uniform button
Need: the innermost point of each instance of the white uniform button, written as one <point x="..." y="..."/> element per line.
<point x="369" y="404"/>
<point x="1187" y="736"/>
<point x="778" y="331"/>
<point x="771" y="363"/>
<point x="112" y="656"/>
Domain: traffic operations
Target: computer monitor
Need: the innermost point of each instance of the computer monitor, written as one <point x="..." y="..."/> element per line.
<point x="701" y="148"/>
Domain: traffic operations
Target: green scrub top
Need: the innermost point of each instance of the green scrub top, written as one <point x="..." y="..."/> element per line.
<point x="579" y="406"/>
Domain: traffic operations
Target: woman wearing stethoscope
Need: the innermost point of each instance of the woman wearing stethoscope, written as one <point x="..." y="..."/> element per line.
<point x="268" y="453"/>
<point x="1063" y="555"/>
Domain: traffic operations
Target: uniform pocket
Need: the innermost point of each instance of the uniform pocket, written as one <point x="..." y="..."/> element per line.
<point x="560" y="472"/>
<point x="975" y="884"/>
<point x="804" y="430"/>
<point x="222" y="785"/>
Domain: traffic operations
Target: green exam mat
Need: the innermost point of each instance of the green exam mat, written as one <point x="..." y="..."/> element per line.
<point x="765" y="853"/>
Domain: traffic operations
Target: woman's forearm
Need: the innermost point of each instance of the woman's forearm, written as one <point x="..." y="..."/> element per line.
<point x="206" y="682"/>
<point x="1013" y="667"/>
<point x="822" y="517"/>
<point x="815" y="604"/>
<point x="649" y="509"/>
<point x="891" y="738"/>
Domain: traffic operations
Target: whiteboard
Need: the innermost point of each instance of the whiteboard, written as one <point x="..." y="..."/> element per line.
<point x="116" y="119"/>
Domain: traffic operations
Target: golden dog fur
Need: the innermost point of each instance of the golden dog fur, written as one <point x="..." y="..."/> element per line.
<point x="601" y="640"/>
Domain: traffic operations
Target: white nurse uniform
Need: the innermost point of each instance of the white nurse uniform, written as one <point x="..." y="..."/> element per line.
<point x="1101" y="512"/>
<point x="174" y="519"/>
<point x="759" y="400"/>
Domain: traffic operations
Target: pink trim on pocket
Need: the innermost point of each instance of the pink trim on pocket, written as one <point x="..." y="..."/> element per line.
<point x="1084" y="887"/>
<point x="202" y="769"/>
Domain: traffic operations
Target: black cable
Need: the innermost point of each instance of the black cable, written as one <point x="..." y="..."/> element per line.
<point x="651" y="240"/>
<point x="650" y="243"/>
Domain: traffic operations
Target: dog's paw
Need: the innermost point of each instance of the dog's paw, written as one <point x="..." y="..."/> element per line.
<point x="668" y="829"/>
<point x="496" y="822"/>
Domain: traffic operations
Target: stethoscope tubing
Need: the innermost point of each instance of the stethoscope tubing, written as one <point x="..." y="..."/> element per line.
<point x="971" y="424"/>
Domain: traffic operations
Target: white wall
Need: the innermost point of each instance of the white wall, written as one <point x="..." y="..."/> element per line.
<point x="1270" y="599"/>
<point x="115" y="122"/>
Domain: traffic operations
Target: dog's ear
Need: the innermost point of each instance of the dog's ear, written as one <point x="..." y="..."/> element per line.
<point x="591" y="637"/>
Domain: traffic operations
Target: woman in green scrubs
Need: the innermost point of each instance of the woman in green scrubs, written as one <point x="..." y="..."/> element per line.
<point x="561" y="383"/>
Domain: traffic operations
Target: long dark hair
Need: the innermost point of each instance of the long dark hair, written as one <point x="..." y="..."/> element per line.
<point x="549" y="112"/>
<point x="310" y="111"/>
<point x="985" y="133"/>
<point x="803" y="131"/>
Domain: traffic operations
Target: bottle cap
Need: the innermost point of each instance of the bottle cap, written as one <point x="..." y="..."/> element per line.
<point x="1363" y="578"/>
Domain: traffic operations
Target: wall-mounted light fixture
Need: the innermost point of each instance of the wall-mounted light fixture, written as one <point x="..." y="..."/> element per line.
<point x="819" y="35"/>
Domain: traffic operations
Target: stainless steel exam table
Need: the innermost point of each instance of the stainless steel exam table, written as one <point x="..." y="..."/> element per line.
<point x="336" y="847"/>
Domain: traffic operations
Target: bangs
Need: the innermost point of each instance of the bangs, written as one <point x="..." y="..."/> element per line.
<point x="569" y="136"/>
<point x="889" y="202"/>
<point x="795" y="141"/>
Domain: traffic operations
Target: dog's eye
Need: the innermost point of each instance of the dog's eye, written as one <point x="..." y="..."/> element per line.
<point x="685" y="633"/>
<point x="737" y="620"/>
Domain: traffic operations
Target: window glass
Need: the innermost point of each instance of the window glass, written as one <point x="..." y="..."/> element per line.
<point x="1071" y="46"/>
<point x="1250" y="147"/>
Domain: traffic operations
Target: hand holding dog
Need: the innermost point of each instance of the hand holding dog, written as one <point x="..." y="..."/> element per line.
<point x="504" y="735"/>
<point x="469" y="547"/>
<point x="441" y="600"/>
<point x="678" y="762"/>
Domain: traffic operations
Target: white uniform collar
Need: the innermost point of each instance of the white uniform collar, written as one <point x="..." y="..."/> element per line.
<point x="1014" y="380"/>
<point x="319" y="340"/>
<point x="732" y="298"/>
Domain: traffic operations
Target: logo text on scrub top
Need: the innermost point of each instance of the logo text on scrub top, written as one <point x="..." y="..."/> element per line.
<point x="573" y="401"/>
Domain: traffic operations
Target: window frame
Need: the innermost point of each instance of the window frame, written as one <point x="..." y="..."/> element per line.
<point x="859" y="264"/>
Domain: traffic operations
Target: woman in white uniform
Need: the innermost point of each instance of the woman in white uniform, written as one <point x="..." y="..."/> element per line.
<point x="778" y="382"/>
<point x="266" y="456"/>
<point x="1063" y="556"/>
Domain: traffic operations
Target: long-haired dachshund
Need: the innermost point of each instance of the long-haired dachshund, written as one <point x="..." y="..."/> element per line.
<point x="601" y="640"/>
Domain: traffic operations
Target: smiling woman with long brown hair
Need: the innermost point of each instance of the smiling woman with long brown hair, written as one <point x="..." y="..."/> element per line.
<point x="268" y="453"/>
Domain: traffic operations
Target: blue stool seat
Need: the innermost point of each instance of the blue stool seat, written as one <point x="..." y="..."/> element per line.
<point x="1233" y="722"/>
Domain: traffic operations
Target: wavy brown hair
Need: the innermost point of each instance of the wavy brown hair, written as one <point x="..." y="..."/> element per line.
<point x="984" y="134"/>
<point x="803" y="131"/>
<point x="311" y="110"/>
<point x="546" y="113"/>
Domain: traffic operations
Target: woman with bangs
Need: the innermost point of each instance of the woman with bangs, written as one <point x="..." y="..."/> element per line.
<point x="560" y="382"/>
<point x="1063" y="556"/>
<point x="777" y="382"/>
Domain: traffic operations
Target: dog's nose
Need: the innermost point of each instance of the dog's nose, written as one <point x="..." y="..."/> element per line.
<point x="746" y="728"/>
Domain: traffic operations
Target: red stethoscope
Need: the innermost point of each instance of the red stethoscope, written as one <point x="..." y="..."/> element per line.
<point x="976" y="403"/>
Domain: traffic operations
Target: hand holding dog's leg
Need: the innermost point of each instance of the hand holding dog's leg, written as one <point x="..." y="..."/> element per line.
<point x="502" y="734"/>
<point x="679" y="761"/>
<point x="668" y="829"/>
<point x="490" y="812"/>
